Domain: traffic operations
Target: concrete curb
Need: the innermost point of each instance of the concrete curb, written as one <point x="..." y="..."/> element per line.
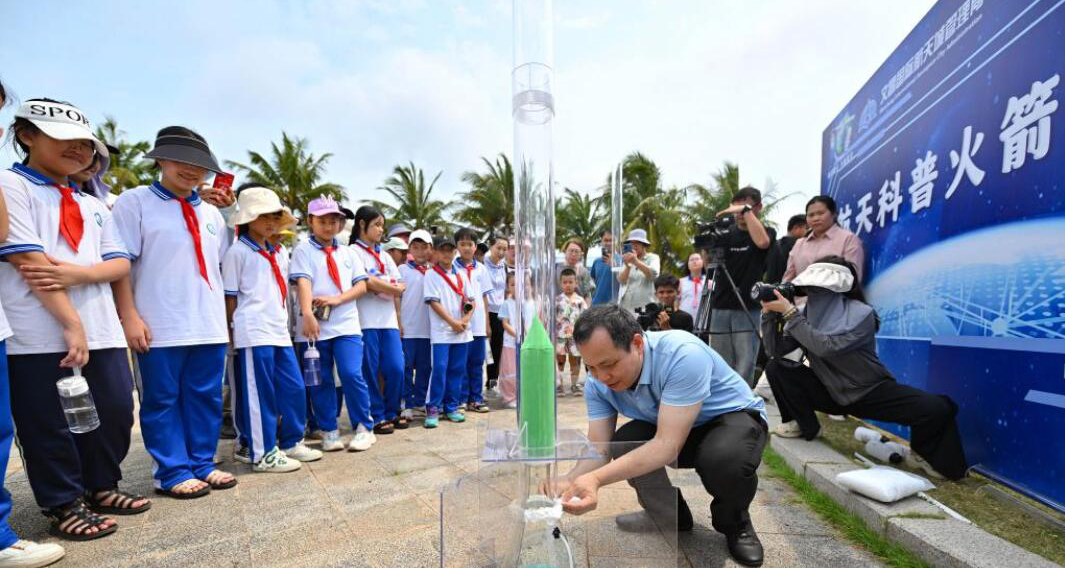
<point x="942" y="541"/>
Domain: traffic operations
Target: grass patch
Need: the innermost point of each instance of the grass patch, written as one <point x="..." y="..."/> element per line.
<point x="852" y="526"/>
<point x="965" y="497"/>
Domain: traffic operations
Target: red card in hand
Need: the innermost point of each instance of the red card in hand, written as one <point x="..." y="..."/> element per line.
<point x="223" y="181"/>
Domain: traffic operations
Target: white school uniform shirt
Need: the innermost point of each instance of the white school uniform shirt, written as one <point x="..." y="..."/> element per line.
<point x="309" y="263"/>
<point x="414" y="312"/>
<point x="178" y="306"/>
<point x="480" y="284"/>
<point x="377" y="311"/>
<point x="261" y="317"/>
<point x="33" y="209"/>
<point x="497" y="274"/>
<point x="437" y="290"/>
<point x="508" y="311"/>
<point x="690" y="294"/>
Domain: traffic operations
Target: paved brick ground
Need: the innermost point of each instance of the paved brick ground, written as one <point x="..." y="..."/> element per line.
<point x="380" y="509"/>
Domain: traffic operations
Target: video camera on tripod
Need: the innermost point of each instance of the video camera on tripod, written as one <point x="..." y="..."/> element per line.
<point x="712" y="241"/>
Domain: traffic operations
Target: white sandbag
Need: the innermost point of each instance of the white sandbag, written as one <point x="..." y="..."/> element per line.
<point x="883" y="483"/>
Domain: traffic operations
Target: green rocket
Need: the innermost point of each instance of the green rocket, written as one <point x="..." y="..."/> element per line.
<point x="537" y="394"/>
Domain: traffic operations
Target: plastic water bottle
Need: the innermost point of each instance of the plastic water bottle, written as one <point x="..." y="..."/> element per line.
<point x="863" y="434"/>
<point x="887" y="452"/>
<point x="312" y="366"/>
<point x="78" y="406"/>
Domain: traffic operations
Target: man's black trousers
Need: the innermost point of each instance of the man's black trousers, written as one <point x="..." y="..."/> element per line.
<point x="725" y="452"/>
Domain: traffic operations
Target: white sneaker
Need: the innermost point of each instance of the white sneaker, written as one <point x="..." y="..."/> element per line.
<point x="419" y="411"/>
<point x="276" y="462"/>
<point x="29" y="554"/>
<point x="493" y="393"/>
<point x="407" y="414"/>
<point x="788" y="430"/>
<point x="302" y="453"/>
<point x="512" y="404"/>
<point x="241" y="453"/>
<point x="331" y="442"/>
<point x="361" y="441"/>
<point x="763" y="389"/>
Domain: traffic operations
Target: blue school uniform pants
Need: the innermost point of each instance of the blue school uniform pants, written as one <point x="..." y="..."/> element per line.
<point x="270" y="386"/>
<point x="449" y="372"/>
<point x="61" y="465"/>
<point x="473" y="386"/>
<point x="345" y="352"/>
<point x="383" y="354"/>
<point x="418" y="361"/>
<point x="181" y="409"/>
<point x="7" y="435"/>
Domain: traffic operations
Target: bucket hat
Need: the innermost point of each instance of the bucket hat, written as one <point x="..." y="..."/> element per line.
<point x="179" y="144"/>
<point x="255" y="201"/>
<point x="638" y="235"/>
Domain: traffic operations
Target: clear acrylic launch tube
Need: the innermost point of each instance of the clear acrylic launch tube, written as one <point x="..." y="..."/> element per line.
<point x="534" y="221"/>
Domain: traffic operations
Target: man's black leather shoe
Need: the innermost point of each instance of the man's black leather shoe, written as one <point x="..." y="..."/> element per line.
<point x="745" y="547"/>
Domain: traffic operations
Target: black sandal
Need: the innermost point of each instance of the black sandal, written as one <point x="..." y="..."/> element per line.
<point x="121" y="502"/>
<point x="401" y="423"/>
<point x="77" y="518"/>
<point x="220" y="485"/>
<point x="384" y="428"/>
<point x="193" y="495"/>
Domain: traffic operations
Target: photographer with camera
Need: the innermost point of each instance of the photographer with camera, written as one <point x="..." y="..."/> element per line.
<point x="836" y="329"/>
<point x="746" y="244"/>
<point x="638" y="274"/>
<point x="666" y="314"/>
<point x="606" y="286"/>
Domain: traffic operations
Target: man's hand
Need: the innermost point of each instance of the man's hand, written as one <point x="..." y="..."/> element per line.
<point x="733" y="209"/>
<point x="628" y="258"/>
<point x="58" y="275"/>
<point x="310" y="327"/>
<point x="663" y="320"/>
<point x="556" y="486"/>
<point x="586" y="489"/>
<point x="138" y="336"/>
<point x="780" y="305"/>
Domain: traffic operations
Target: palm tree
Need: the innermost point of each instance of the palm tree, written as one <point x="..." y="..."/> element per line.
<point x="489" y="204"/>
<point x="292" y="171"/>
<point x="706" y="200"/>
<point x="128" y="168"/>
<point x="647" y="205"/>
<point x="578" y="216"/>
<point x="411" y="197"/>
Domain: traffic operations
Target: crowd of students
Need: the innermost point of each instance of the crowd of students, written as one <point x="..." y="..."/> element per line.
<point x="156" y="293"/>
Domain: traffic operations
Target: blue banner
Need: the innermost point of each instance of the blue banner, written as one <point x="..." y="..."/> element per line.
<point x="950" y="165"/>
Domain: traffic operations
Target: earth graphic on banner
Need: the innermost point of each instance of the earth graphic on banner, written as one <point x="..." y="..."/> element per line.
<point x="1003" y="281"/>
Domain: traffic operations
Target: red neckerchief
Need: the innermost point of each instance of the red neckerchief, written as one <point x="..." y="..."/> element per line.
<point x="375" y="255"/>
<point x="696" y="282"/>
<point x="71" y="223"/>
<point x="417" y="267"/>
<point x="469" y="269"/>
<point x="272" y="258"/>
<point x="331" y="264"/>
<point x="193" y="226"/>
<point x="457" y="289"/>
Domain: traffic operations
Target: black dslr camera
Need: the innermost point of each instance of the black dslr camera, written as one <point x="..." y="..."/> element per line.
<point x="763" y="292"/>
<point x="647" y="316"/>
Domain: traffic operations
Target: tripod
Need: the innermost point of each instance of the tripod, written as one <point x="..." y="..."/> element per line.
<point x="715" y="267"/>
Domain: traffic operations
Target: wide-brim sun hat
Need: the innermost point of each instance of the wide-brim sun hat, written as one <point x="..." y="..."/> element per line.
<point x="398" y="229"/>
<point x="639" y="236"/>
<point x="827" y="275"/>
<point x="179" y="144"/>
<point x="255" y="201"/>
<point x="60" y="121"/>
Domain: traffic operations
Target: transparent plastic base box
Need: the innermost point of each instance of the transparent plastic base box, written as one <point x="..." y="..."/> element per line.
<point x="509" y="513"/>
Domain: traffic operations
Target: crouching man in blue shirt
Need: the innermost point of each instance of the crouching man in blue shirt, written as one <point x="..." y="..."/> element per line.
<point x="688" y="407"/>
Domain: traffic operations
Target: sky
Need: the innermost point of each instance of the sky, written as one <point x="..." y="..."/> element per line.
<point x="689" y="83"/>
